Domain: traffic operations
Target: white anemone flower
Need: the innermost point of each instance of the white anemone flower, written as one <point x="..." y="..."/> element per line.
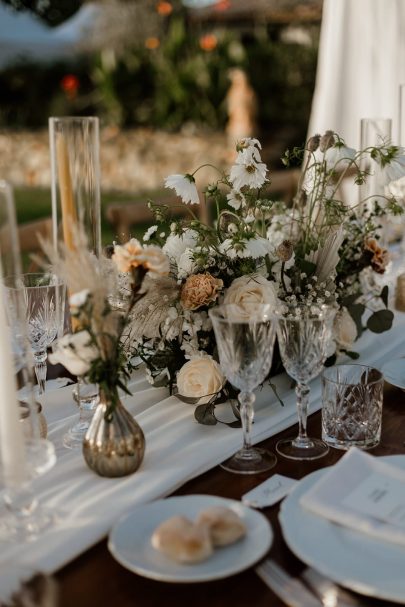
<point x="247" y="171"/>
<point x="236" y="200"/>
<point x="248" y="142"/>
<point x="184" y="186"/>
<point x="397" y="188"/>
<point x="394" y="170"/>
<point x="338" y="157"/>
<point x="186" y="264"/>
<point x="253" y="247"/>
<point x="176" y="244"/>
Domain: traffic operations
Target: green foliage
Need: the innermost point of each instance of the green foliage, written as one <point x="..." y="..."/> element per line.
<point x="176" y="84"/>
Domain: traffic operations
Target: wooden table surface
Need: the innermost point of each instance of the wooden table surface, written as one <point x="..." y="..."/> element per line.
<point x="95" y="579"/>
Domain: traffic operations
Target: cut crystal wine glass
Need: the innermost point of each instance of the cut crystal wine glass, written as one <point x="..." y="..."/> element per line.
<point x="36" y="305"/>
<point x="304" y="334"/>
<point x="245" y="339"/>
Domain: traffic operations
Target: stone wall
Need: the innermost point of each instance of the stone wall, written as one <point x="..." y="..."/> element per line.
<point x="132" y="161"/>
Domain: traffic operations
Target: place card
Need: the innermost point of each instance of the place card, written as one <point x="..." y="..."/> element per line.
<point x="381" y="497"/>
<point x="270" y="492"/>
<point x="364" y="493"/>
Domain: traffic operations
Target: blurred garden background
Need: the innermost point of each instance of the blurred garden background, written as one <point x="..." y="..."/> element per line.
<point x="174" y="85"/>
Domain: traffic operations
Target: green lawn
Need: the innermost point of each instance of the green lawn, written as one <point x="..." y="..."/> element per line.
<point x="35" y="203"/>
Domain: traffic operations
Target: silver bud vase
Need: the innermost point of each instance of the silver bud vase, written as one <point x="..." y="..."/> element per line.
<point x="115" y="446"/>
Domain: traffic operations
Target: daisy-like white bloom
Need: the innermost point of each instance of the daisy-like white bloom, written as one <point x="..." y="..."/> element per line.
<point x="176" y="244"/>
<point x="395" y="169"/>
<point x="397" y="188"/>
<point x="236" y="199"/>
<point x="253" y="247"/>
<point x="338" y="157"/>
<point x="248" y="171"/>
<point x="248" y="142"/>
<point x="184" y="186"/>
<point x="149" y="232"/>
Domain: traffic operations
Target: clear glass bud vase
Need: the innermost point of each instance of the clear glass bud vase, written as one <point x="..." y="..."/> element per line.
<point x="114" y="445"/>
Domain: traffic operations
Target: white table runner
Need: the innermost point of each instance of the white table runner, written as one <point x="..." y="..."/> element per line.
<point x="177" y="449"/>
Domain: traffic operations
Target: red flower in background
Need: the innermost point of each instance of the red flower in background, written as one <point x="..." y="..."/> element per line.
<point x="222" y="5"/>
<point x="70" y="85"/>
<point x="208" y="42"/>
<point x="164" y="8"/>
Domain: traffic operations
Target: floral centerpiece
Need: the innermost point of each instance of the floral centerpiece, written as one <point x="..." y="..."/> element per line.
<point x="314" y="250"/>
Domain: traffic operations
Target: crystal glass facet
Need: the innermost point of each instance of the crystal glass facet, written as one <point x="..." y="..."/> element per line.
<point x="303" y="333"/>
<point x="245" y="339"/>
<point x="36" y="305"/>
<point x="352" y="401"/>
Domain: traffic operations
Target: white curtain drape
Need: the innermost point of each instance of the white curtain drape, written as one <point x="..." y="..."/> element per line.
<point x="360" y="66"/>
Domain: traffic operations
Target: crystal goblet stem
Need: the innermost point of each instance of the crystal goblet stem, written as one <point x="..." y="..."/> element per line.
<point x="302" y="391"/>
<point x="40" y="370"/>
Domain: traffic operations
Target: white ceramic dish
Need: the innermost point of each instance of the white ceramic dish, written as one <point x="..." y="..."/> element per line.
<point x="130" y="541"/>
<point x="394" y="372"/>
<point x="350" y="558"/>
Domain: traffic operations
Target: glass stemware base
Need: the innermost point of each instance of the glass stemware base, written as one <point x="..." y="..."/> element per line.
<point x="250" y="461"/>
<point x="302" y="449"/>
<point x="22" y="517"/>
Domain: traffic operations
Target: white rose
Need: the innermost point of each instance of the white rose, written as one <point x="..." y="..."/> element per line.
<point x="75" y="352"/>
<point x="344" y="330"/>
<point x="200" y="378"/>
<point x="251" y="289"/>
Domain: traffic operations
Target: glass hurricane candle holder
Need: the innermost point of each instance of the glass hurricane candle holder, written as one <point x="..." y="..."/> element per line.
<point x="75" y="169"/>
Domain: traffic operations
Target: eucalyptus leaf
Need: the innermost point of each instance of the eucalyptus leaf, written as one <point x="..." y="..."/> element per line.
<point x="204" y="414"/>
<point x="384" y="295"/>
<point x="352" y="355"/>
<point x="380" y="321"/>
<point x="236" y="424"/>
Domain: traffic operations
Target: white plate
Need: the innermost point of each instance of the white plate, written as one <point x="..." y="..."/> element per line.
<point x="130" y="544"/>
<point x="394" y="372"/>
<point x="352" y="559"/>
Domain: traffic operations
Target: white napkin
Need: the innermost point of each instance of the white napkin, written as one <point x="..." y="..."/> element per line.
<point x="364" y="493"/>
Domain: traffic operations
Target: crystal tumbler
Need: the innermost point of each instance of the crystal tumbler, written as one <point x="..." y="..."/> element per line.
<point x="352" y="401"/>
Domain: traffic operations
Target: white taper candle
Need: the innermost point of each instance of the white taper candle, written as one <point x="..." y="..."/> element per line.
<point x="13" y="468"/>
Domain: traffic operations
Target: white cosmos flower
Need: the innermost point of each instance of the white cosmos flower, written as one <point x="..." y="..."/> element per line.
<point x="149" y="232"/>
<point x="184" y="186"/>
<point x="394" y="170"/>
<point x="338" y="157"/>
<point x="254" y="247"/>
<point x="397" y="188"/>
<point x="236" y="199"/>
<point x="248" y="142"/>
<point x="248" y="171"/>
<point x="186" y="264"/>
<point x="176" y="244"/>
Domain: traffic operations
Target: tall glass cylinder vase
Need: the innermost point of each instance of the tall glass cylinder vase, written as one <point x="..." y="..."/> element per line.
<point x="375" y="132"/>
<point x="75" y="167"/>
<point x="401" y="115"/>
